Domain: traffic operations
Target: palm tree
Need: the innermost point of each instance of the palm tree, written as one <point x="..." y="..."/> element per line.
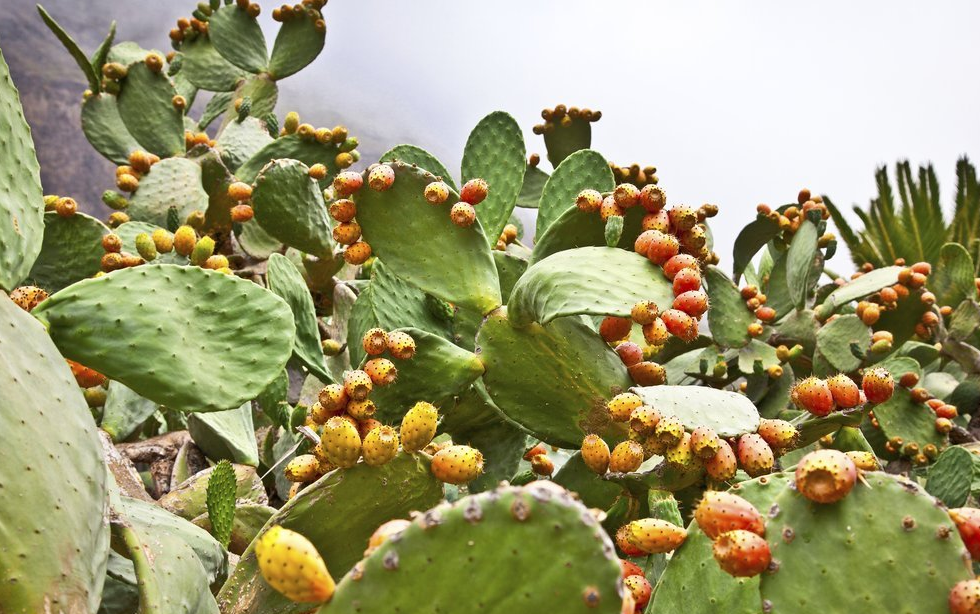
<point x="916" y="230"/>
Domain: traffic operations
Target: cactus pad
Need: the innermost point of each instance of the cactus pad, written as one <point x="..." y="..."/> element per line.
<point x="238" y="38"/>
<point x="576" y="228"/>
<point x="951" y="477"/>
<point x="412" y="154"/>
<point x="834" y="341"/>
<point x="495" y="152"/>
<point x="865" y="285"/>
<point x="105" y="130"/>
<point x="728" y="318"/>
<point x="239" y="141"/>
<point x="583" y="169"/>
<point x="174" y="182"/>
<point x="286" y="281"/>
<point x="146" y="107"/>
<point x="71" y="251"/>
<point x="206" y="68"/>
<point x="228" y="434"/>
<point x="124" y="411"/>
<point x="729" y="414"/>
<point x="289" y="206"/>
<point x="298" y="43"/>
<point x="221" y="501"/>
<point x="534" y="180"/>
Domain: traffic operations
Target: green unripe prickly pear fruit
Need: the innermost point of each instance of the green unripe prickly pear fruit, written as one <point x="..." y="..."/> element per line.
<point x="203" y="250"/>
<point x="113" y="200"/>
<point x="291" y="124"/>
<point x="244" y="108"/>
<point x="146" y="247"/>
<point x="95" y="396"/>
<point x="349" y="144"/>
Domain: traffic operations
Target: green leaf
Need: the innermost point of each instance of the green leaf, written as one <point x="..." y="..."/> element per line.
<point x="495" y="152"/>
<point x="799" y="263"/>
<point x="73" y="49"/>
<point x="750" y="240"/>
<point x="286" y="281"/>
<point x="221" y="501"/>
<point x="583" y="169"/>
<point x="728" y="317"/>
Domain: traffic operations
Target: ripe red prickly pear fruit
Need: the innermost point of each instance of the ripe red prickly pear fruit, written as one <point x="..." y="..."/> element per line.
<point x="380" y="446"/>
<point x="341" y="442"/>
<point x="629" y="353"/>
<point x="662" y="247"/>
<point x="346" y="183"/>
<point x="381" y="178"/>
<point x="401" y="346"/>
<point x="742" y="554"/>
<point x="381" y="371"/>
<point x="813" y="394"/>
<point x="457" y="464"/>
<point x="333" y="398"/>
<point x="682" y="217"/>
<point x="84" y="376"/>
<point x="723" y="465"/>
<point x="865" y="461"/>
<point x="358" y="253"/>
<point x="630" y="568"/>
<point x="680" y="324"/>
<point x="642" y="243"/>
<point x="964" y="598"/>
<point x="653" y="198"/>
<point x="358" y="384"/>
<point x="595" y="454"/>
<point x="609" y="209"/>
<point x="614" y="328"/>
<point x="385" y="532"/>
<point x="705" y="442"/>
<point x="626" y="195"/>
<point x="754" y="455"/>
<point x="641" y="590"/>
<point x="686" y="280"/>
<point x="463" y="214"/>
<point x="656" y="333"/>
<point x="877" y="385"/>
<point x="644" y="419"/>
<point x="419" y="426"/>
<point x="647" y="373"/>
<point x="626" y="457"/>
<point x="679" y="262"/>
<point x="693" y="302"/>
<point x="624" y="543"/>
<point x="825" y="476"/>
<point x="436" y="192"/>
<point x="588" y="201"/>
<point x="644" y="312"/>
<point x="720" y="512"/>
<point x="542" y="465"/>
<point x="656" y="536"/>
<point x="292" y="566"/>
<point x="669" y="430"/>
<point x="656" y="221"/>
<point x="967" y="521"/>
<point x="537" y="449"/>
<point x="622" y="405"/>
<point x="29" y="297"/>
<point x="375" y="341"/>
<point x="845" y="392"/>
<point x="779" y="434"/>
<point x="474" y="191"/>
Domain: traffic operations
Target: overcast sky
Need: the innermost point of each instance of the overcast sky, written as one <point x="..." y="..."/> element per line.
<point x="735" y="103"/>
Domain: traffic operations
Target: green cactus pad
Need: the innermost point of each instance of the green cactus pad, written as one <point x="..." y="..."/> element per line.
<point x="592" y="489"/>
<point x="105" y="130"/>
<point x="189" y="499"/>
<point x="750" y="240"/>
<point x="289" y="206"/>
<point x="452" y="263"/>
<point x="338" y="514"/>
<point x="221" y="502"/>
<point x="295" y="147"/>
<point x="728" y="318"/>
<point x="576" y="228"/>
<point x="553" y="379"/>
<point x="22" y="225"/>
<point x="286" y="281"/>
<point x="438" y="371"/>
<point x="756" y="352"/>
<point x="248" y="521"/>
<point x="899" y="416"/>
<point x="729" y="414"/>
<point x="776" y="287"/>
<point x="533" y="186"/>
<point x="951" y="478"/>
<point x="238" y="38"/>
<point x="174" y="182"/>
<point x="297" y="44"/>
<point x="952" y="277"/>
<point x="412" y="154"/>
<point x="510" y="268"/>
<point x="581" y="170"/>
<point x="219" y="103"/>
<point x="564" y="141"/>
<point x="217" y="340"/>
<point x="912" y="568"/>
<point x="55" y="542"/>
<point x="206" y="68"/>
<point x="239" y="141"/>
<point x="495" y="152"/>
<point x="537" y="529"/>
<point x="228" y="434"/>
<point x="128" y="52"/>
<point x="803" y="250"/>
<point x="146" y="107"/>
<point x="71" y="251"/>
<point x="589" y="281"/>
<point x="256" y="242"/>
<point x="834" y="341"/>
<point x="863" y="286"/>
<point x="124" y="411"/>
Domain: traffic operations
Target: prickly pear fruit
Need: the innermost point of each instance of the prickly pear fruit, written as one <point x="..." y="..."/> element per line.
<point x="203" y="250"/>
<point x="341" y="442"/>
<point x="686" y="280"/>
<point x="146" y="247"/>
<point x="595" y="454"/>
<point x="630" y="353"/>
<point x="436" y="192"/>
<point x="622" y="405"/>
<point x="647" y="373"/>
<point x="679" y="262"/>
<point x="626" y="195"/>
<point x="813" y="395"/>
<point x="964" y="598"/>
<point x="613" y="328"/>
<point x="754" y="455"/>
<point x="385" y="532"/>
<point x="380" y="446"/>
<point x="720" y="512"/>
<point x="162" y="240"/>
<point x="84" y="376"/>
<point x="463" y="214"/>
<point x="630" y="568"/>
<point x="653" y="198"/>
<point x="588" y="200"/>
<point x="662" y="247"/>
<point x="346" y="183"/>
<point x="28" y="297"/>
<point x="693" y="302"/>
<point x="625" y="544"/>
<point x="742" y="553"/>
<point x="845" y="392"/>
<point x="361" y="410"/>
<point x="342" y="210"/>
<point x="877" y="385"/>
<point x="333" y="397"/>
<point x="656" y="536"/>
<point x="366" y="426"/>
<point x="723" y="465"/>
<point x="419" y="426"/>
<point x="542" y="465"/>
<point x="640" y="588"/>
<point x="457" y="464"/>
<point x="680" y="324"/>
<point x="825" y="476"/>
<point x="401" y="346"/>
<point x="627" y="456"/>
<point x="303" y="468"/>
<point x="292" y="566"/>
<point x="644" y="312"/>
<point x="609" y="209"/>
<point x="184" y="240"/>
<point x="381" y="178"/>
<point x="779" y="434"/>
<point x="381" y="371"/>
<point x="967" y="521"/>
<point x="375" y="341"/>
<point x="358" y="384"/>
<point x="680" y="454"/>
<point x="347" y="233"/>
<point x="656" y="333"/>
<point x="644" y="419"/>
<point x="669" y="430"/>
<point x="704" y="442"/>
<point x="865" y="461"/>
<point x="474" y="191"/>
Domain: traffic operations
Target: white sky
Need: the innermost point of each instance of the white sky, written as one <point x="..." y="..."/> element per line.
<point x="736" y="103"/>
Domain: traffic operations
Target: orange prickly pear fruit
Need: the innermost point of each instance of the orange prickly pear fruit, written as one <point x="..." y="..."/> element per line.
<point x="686" y="280"/>
<point x="754" y="455"/>
<point x="303" y="468"/>
<point x="742" y="553"/>
<point x="346" y="183"/>
<point x="845" y="392"/>
<point x="184" y="240"/>
<point x="361" y="410"/>
<point x="656" y="333"/>
<point x="779" y="434"/>
<point x="333" y="398"/>
<point x="437" y="192"/>
<point x="380" y="446"/>
<point x="678" y="263"/>
<point x="534" y="451"/>
<point x="878" y="385"/>
<point x="474" y="191"/>
<point x="381" y="371"/>
<point x="542" y="465"/>
<point x="343" y="210"/>
<point x="588" y="200"/>
<point x="658" y="221"/>
<point x="375" y="341"/>
<point x="656" y="536"/>
<point x="720" y="512"/>
<point x="28" y="297"/>
<point x="705" y="442"/>
<point x="723" y="465"/>
<point x="341" y="442"/>
<point x="652" y="198"/>
<point x="693" y="302"/>
<point x="463" y="214"/>
<point x="680" y="324"/>
<point x="318" y="414"/>
<point x="595" y="454"/>
<point x="626" y="195"/>
<point x="381" y="178"/>
<point x="964" y="598"/>
<point x="112" y="243"/>
<point x="967" y="520"/>
<point x="622" y="405"/>
<point x="626" y="457"/>
<point x="644" y="312"/>
<point x="239" y="191"/>
<point x="682" y="217"/>
<point x="625" y="544"/>
<point x="163" y="240"/>
<point x="814" y="395"/>
<point x="419" y="426"/>
<point x="401" y="346"/>
<point x="358" y="384"/>
<point x="825" y="476"/>
<point x="630" y="353"/>
<point x="644" y="419"/>
<point x="85" y="377"/>
<point x="630" y="568"/>
<point x="609" y="209"/>
<point x="662" y="247"/>
<point x="292" y="566"/>
<point x="457" y="464"/>
<point x="385" y="532"/>
<point x="614" y="328"/>
<point x="358" y="253"/>
<point x="647" y="373"/>
<point x="641" y="590"/>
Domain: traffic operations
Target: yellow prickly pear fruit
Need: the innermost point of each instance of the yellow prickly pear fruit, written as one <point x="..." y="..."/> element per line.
<point x="627" y="456"/>
<point x="865" y="461"/>
<point x="361" y="410"/>
<point x="644" y="419"/>
<point x="380" y="446"/>
<point x="381" y="371"/>
<point x="184" y="240"/>
<point x="217" y="262"/>
<point x="375" y="341"/>
<point x="163" y="241"/>
<point x="681" y="454"/>
<point x="203" y="250"/>
<point x="358" y="253"/>
<point x="595" y="454"/>
<point x="669" y="430"/>
<point x="303" y="468"/>
<point x="340" y="441"/>
<point x="401" y="346"/>
<point x="318" y="414"/>
<point x="146" y="247"/>
<point x="358" y="384"/>
<point x="292" y="566"/>
<point x="333" y="398"/>
<point x="457" y="464"/>
<point x="704" y="442"/>
<point x="419" y="426"/>
<point x="622" y="405"/>
<point x="154" y="61"/>
<point x="28" y="297"/>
